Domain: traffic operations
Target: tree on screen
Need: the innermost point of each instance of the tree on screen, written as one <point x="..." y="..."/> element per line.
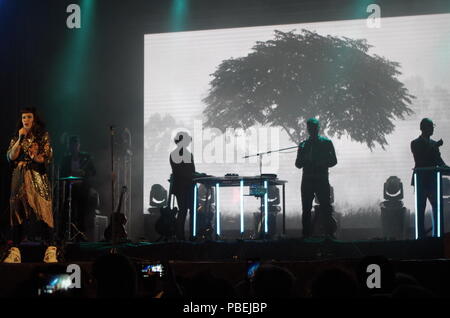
<point x="288" y="79"/>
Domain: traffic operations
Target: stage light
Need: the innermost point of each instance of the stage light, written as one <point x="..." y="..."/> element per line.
<point x="436" y="221"/>
<point x="416" y="206"/>
<point x="266" y="215"/>
<point x="204" y="210"/>
<point x="179" y="7"/>
<point x="158" y="196"/>
<point x="71" y="78"/>
<point x="179" y="12"/>
<point x="438" y="198"/>
<point x="393" y="189"/>
<point x="217" y="209"/>
<point x="194" y="228"/>
<point x="265" y="220"/>
<point x="242" y="205"/>
<point x="274" y="196"/>
<point x="392" y="210"/>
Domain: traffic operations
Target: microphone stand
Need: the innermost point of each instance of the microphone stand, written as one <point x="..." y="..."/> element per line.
<point x="113" y="226"/>
<point x="260" y="157"/>
<point x="261" y="154"/>
<point x="127" y="176"/>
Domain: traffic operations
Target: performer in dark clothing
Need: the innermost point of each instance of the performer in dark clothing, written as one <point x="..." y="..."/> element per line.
<point x="79" y="164"/>
<point x="315" y="155"/>
<point x="183" y="171"/>
<point x="426" y="155"/>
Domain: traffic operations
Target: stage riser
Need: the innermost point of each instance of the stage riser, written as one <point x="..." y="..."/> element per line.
<point x="288" y="249"/>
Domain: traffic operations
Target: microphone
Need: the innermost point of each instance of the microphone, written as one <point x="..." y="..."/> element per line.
<point x="21" y="137"/>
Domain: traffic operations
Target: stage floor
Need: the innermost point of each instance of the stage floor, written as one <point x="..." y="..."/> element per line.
<point x="241" y="250"/>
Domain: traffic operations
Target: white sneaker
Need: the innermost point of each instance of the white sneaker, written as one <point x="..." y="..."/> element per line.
<point x="50" y="255"/>
<point x="13" y="256"/>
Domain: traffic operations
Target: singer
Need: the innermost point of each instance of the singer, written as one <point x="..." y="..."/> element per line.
<point x="30" y="152"/>
<point x="426" y="154"/>
<point x="315" y="155"/>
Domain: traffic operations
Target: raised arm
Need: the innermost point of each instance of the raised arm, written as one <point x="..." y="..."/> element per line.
<point x="300" y="161"/>
<point x="13" y="149"/>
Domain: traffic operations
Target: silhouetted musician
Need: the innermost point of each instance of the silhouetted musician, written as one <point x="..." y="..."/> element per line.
<point x="315" y="155"/>
<point x="183" y="171"/>
<point x="77" y="163"/>
<point x="426" y="155"/>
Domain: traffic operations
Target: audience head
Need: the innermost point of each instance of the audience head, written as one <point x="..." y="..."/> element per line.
<point x="272" y="281"/>
<point x="334" y="283"/>
<point x="115" y="276"/>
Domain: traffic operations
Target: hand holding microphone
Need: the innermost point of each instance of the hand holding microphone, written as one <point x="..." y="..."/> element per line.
<point x="15" y="150"/>
<point x="22" y="133"/>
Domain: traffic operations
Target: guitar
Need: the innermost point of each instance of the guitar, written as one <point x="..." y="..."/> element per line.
<point x="118" y="220"/>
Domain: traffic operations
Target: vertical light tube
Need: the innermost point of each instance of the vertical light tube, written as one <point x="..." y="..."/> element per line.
<point x="217" y="210"/>
<point x="438" y="203"/>
<point x="242" y="206"/>
<point x="266" y="195"/>
<point x="415" y="204"/>
<point x="194" y="223"/>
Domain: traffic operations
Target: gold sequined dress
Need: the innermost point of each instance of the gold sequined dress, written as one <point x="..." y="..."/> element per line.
<point x="30" y="187"/>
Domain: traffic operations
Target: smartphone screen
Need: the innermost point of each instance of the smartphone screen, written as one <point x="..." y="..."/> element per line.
<point x="252" y="268"/>
<point x="51" y="284"/>
<point x="151" y="270"/>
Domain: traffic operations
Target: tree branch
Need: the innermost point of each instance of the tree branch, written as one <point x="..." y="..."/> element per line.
<point x="289" y="133"/>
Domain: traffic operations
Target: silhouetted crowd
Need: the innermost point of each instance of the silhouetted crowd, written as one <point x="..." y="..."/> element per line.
<point x="117" y="276"/>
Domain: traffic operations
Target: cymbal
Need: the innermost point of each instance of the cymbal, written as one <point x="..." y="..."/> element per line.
<point x="70" y="178"/>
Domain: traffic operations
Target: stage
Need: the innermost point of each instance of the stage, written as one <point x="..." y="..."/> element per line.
<point x="279" y="250"/>
<point x="242" y="250"/>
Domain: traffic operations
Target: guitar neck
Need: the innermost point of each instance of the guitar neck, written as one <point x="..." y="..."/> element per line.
<point x="119" y="207"/>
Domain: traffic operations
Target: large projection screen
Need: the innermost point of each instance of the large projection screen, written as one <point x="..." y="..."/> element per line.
<point x="177" y="79"/>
